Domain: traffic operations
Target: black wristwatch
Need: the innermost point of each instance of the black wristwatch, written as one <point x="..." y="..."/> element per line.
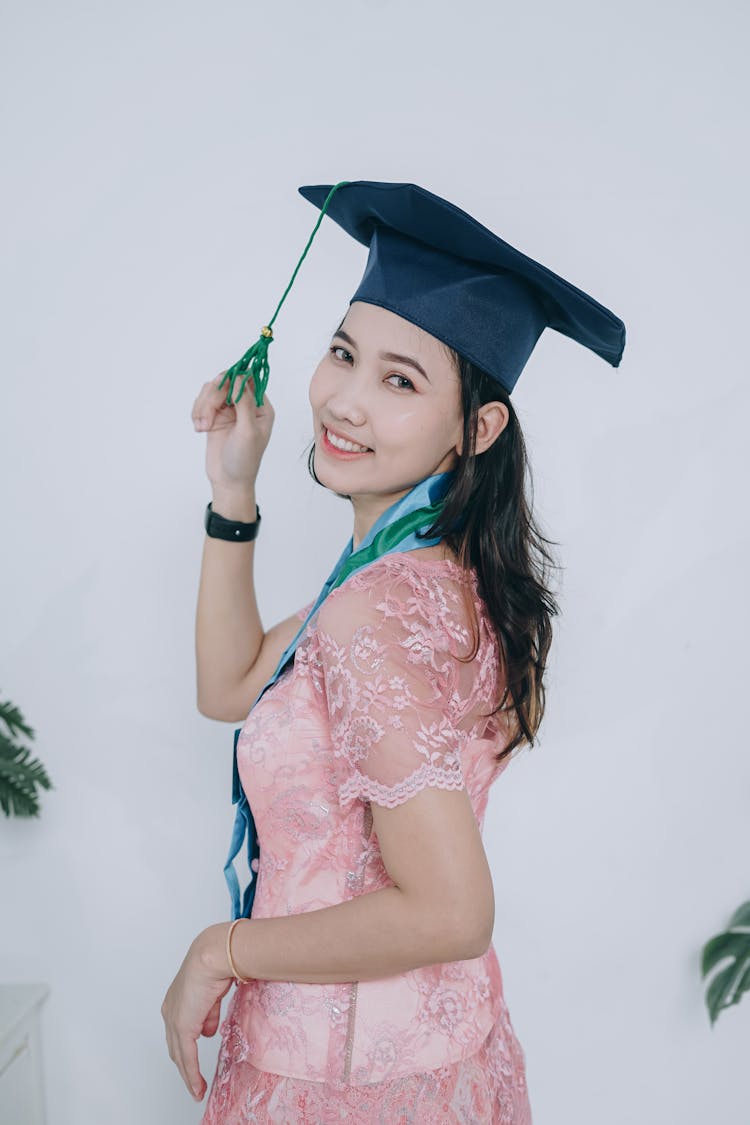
<point x="219" y="528"/>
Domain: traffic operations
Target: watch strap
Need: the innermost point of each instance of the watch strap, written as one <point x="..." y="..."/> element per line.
<point x="218" y="527"/>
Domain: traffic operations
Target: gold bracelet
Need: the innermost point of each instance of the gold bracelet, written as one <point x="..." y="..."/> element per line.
<point x="232" y="966"/>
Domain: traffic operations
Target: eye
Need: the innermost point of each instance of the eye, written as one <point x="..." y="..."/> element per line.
<point x="338" y="348"/>
<point x="402" y="377"/>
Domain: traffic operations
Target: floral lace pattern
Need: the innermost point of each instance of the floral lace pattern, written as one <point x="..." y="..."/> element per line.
<point x="376" y="706"/>
<point x="488" y="1088"/>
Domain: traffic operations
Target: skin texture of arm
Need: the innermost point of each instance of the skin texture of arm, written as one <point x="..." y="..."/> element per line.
<point x="235" y="658"/>
<point x="441" y="907"/>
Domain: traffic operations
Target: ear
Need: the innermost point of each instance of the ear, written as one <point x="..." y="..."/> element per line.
<point x="491" y="421"/>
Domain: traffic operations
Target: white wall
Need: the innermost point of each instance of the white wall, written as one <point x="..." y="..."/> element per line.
<point x="153" y="155"/>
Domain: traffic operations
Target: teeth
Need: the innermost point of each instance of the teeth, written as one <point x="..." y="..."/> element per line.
<point x="348" y="446"/>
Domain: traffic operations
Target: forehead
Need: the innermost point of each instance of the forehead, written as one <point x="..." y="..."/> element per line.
<point x="372" y="326"/>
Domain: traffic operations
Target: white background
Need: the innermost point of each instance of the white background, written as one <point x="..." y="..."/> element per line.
<point x="151" y="223"/>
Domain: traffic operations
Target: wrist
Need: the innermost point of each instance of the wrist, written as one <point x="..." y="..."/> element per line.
<point x="234" y="505"/>
<point x="238" y="971"/>
<point x="211" y="947"/>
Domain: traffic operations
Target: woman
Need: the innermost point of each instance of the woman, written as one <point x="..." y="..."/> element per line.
<point x="368" y="988"/>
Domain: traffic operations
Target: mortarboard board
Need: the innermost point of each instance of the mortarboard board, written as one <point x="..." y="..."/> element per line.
<point x="438" y="267"/>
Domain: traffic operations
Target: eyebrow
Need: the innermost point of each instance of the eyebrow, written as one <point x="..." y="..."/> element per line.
<point x="393" y="356"/>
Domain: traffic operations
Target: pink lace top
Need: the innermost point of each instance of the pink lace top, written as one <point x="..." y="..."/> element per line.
<point x="375" y="707"/>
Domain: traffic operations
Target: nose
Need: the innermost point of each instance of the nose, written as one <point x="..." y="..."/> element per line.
<point x="344" y="406"/>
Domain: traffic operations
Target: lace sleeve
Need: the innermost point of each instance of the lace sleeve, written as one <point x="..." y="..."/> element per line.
<point x="391" y="688"/>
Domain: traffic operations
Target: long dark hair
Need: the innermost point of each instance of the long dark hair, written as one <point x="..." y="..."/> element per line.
<point x="499" y="537"/>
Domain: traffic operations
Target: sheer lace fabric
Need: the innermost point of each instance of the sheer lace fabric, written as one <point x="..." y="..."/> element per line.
<point x="488" y="1087"/>
<point x="376" y="707"/>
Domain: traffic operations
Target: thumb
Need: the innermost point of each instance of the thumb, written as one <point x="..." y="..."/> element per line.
<point x="211" y="1022"/>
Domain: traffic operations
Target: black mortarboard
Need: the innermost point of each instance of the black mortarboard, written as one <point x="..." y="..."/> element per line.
<point x="436" y="266"/>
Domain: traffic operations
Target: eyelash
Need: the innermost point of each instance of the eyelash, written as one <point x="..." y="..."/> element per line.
<point x="338" y="348"/>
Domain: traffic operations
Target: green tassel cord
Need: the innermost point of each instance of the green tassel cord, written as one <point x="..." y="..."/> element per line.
<point x="255" y="360"/>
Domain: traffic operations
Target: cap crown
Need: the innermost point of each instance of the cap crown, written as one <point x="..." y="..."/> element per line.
<point x="439" y="268"/>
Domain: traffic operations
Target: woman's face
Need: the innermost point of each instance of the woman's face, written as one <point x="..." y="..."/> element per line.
<point x="369" y="388"/>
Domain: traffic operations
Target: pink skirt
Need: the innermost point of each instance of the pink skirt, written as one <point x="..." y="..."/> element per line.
<point x="487" y="1088"/>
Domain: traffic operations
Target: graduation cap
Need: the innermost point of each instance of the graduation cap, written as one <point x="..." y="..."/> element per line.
<point x="436" y="266"/>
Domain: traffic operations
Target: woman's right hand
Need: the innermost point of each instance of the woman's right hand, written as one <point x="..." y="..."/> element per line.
<point x="237" y="433"/>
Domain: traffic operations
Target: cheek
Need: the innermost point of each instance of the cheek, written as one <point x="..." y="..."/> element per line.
<point x="403" y="424"/>
<point x="315" y="391"/>
<point x="419" y="428"/>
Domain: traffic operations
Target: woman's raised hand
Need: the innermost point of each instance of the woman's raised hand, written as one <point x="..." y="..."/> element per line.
<point x="237" y="434"/>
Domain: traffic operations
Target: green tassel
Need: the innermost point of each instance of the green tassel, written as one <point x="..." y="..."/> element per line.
<point x="255" y="360"/>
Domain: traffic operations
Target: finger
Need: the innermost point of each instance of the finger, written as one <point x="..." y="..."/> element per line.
<point x="189" y="1067"/>
<point x="249" y="416"/>
<point x="244" y="404"/>
<point x="175" y="1054"/>
<point x="209" y="402"/>
<point x="173" y="1043"/>
<point x="168" y="1034"/>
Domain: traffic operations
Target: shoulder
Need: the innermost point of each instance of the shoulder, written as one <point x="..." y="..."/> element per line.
<point x="428" y="603"/>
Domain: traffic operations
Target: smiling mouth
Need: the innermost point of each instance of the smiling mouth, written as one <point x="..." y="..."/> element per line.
<point x="327" y="443"/>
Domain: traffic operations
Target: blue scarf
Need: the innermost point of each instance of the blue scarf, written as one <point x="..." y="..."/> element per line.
<point x="394" y="531"/>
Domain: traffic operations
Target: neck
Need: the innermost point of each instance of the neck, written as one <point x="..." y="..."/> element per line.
<point x="368" y="509"/>
<point x="374" y="512"/>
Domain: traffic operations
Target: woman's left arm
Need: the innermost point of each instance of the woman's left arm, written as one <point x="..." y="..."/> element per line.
<point x="440" y="908"/>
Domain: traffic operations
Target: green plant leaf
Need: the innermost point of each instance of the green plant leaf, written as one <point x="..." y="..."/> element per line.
<point x="20" y="774"/>
<point x="730" y="944"/>
<point x="16" y="802"/>
<point x="14" y="720"/>
<point x="741" y="916"/>
<point x="733" y="946"/>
